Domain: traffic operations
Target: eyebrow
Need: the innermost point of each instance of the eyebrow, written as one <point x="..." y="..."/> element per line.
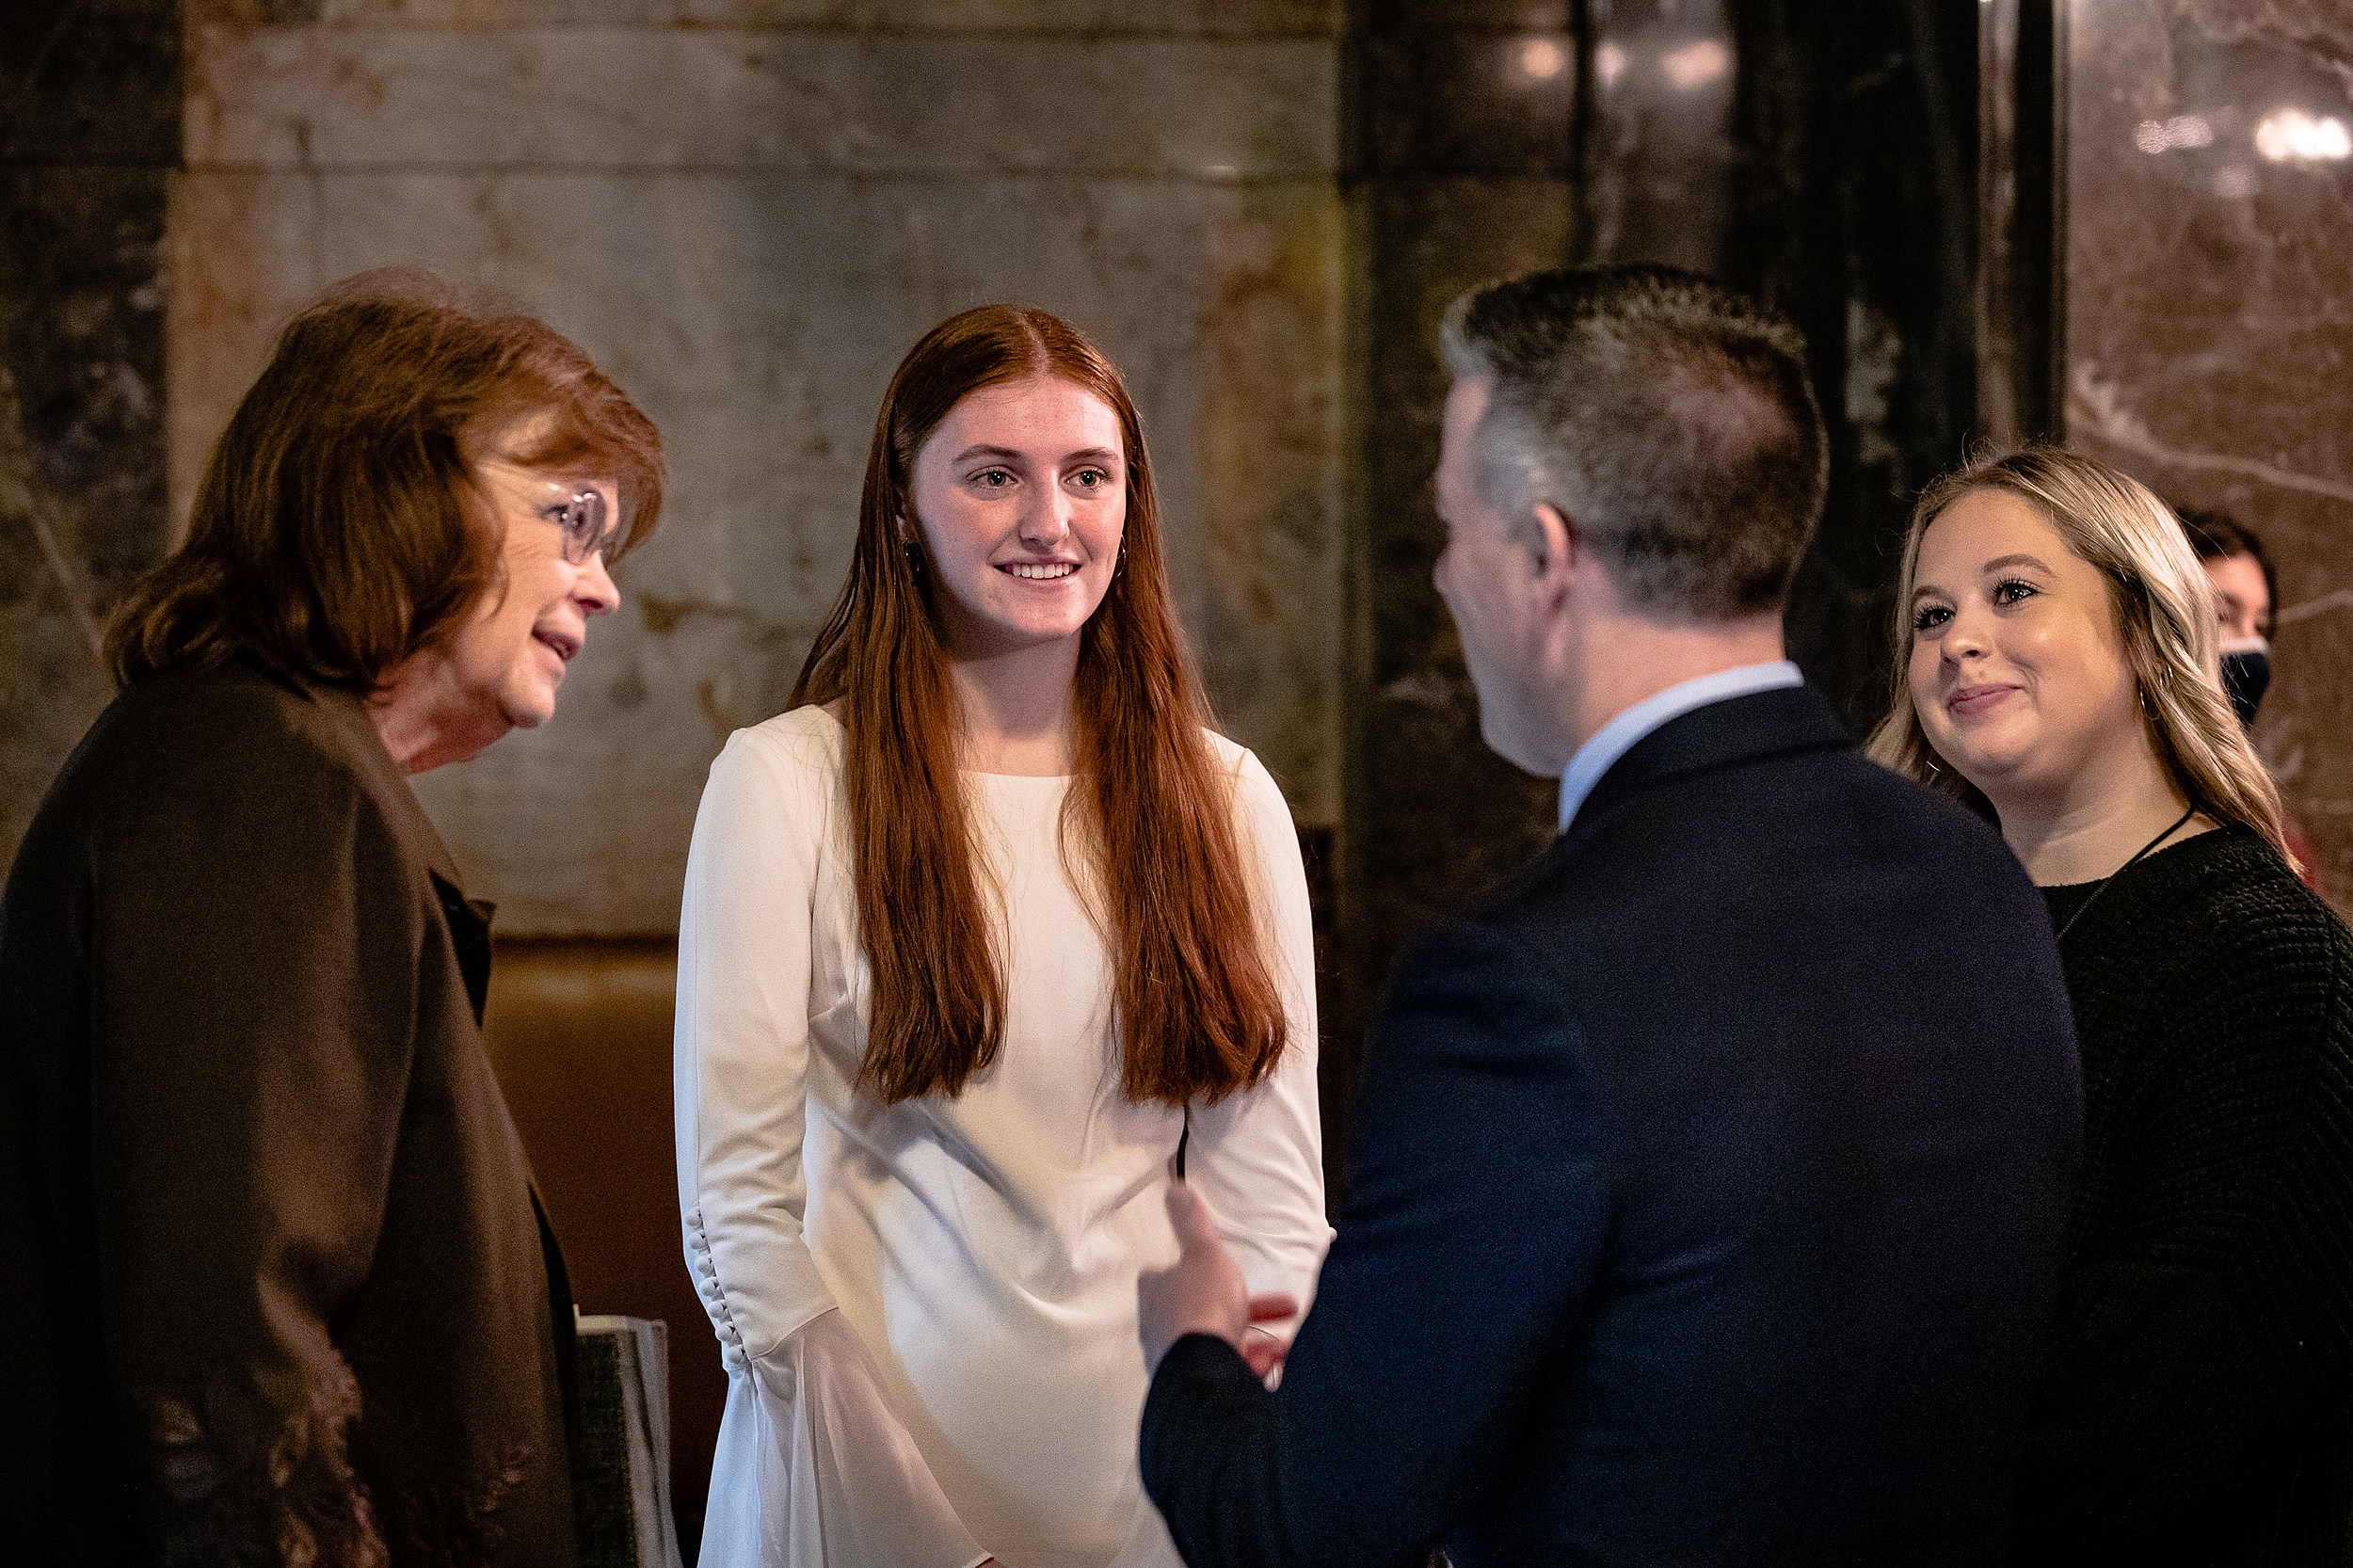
<point x="1092" y="454"/>
<point x="540" y="480"/>
<point x="1995" y="565"/>
<point x="2021" y="560"/>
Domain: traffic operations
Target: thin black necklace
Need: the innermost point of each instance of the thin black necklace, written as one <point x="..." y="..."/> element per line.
<point x="2141" y="855"/>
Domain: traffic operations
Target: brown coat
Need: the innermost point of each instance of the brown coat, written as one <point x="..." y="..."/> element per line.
<point x="273" y="1282"/>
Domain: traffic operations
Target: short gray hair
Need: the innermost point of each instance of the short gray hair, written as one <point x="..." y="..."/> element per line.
<point x="1670" y="417"/>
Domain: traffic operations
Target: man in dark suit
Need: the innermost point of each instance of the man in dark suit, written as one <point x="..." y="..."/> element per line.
<point x="1710" y="1179"/>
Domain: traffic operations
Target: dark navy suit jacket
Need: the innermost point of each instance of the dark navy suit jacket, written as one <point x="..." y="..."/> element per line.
<point x="1709" y="1194"/>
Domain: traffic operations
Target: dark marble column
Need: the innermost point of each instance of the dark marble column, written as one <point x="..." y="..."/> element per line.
<point x="1654" y="145"/>
<point x="2209" y="319"/>
<point x="1459" y="172"/>
<point x="1821" y="154"/>
<point x="1854" y="208"/>
<point x="89" y="128"/>
<point x="2021" y="306"/>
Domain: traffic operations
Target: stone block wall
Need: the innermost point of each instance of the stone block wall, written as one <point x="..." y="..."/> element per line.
<point x="746" y="211"/>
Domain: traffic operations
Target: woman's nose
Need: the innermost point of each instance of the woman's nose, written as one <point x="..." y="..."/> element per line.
<point x="1047" y="519"/>
<point x="1963" y="638"/>
<point x="593" y="587"/>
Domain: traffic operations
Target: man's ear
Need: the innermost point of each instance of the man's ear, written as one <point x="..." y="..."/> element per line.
<point x="1556" y="542"/>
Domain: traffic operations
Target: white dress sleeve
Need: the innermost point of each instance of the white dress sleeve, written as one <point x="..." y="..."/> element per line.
<point x="1256" y="1158"/>
<point x="829" y="1477"/>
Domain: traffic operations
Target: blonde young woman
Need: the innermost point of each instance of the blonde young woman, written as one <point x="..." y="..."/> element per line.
<point x="2061" y="676"/>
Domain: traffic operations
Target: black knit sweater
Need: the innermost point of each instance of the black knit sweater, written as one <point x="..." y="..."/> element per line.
<point x="2197" y="1407"/>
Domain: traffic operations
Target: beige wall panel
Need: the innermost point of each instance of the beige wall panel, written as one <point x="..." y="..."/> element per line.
<point x="339" y="97"/>
<point x="757" y="317"/>
<point x="1252" y="18"/>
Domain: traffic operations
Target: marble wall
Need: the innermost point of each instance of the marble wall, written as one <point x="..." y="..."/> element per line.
<point x="746" y="210"/>
<point x="89" y="132"/>
<point x="2209" y="318"/>
<point x="1851" y="173"/>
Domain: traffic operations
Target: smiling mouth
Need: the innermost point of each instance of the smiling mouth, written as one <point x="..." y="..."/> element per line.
<point x="1977" y="699"/>
<point x="1039" y="571"/>
<point x="566" y="648"/>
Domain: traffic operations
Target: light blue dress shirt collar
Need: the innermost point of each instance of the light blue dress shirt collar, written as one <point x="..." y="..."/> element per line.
<point x="1616" y="738"/>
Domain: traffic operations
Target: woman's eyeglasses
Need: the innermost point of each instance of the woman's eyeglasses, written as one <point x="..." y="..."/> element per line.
<point x="587" y="522"/>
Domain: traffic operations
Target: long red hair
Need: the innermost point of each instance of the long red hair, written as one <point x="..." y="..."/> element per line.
<point x="1153" y="812"/>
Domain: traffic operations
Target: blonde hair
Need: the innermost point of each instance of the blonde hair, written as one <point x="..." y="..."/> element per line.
<point x="2164" y="617"/>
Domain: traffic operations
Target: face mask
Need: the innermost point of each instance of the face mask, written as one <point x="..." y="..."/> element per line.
<point x="2246" y="674"/>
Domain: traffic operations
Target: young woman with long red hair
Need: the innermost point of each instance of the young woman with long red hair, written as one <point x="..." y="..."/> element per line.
<point x="977" y="935"/>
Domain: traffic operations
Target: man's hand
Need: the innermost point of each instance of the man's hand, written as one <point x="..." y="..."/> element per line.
<point x="1203" y="1293"/>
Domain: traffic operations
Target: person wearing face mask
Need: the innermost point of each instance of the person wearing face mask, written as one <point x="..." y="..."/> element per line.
<point x="2246" y="593"/>
<point x="2196" y="1404"/>
<point x="2245" y="598"/>
<point x="277" y="1286"/>
<point x="980" y="937"/>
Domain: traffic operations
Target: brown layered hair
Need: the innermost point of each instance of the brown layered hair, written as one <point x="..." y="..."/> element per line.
<point x="338" y="529"/>
<point x="1149" y="830"/>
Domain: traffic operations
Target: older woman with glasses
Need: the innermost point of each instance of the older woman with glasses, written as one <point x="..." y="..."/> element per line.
<point x="2196" y="1405"/>
<point x="276" y="1286"/>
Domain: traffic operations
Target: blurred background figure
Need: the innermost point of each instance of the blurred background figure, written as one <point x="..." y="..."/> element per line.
<point x="2246" y="599"/>
<point x="2245" y="591"/>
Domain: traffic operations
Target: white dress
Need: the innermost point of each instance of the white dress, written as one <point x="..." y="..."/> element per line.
<point x="928" y="1310"/>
